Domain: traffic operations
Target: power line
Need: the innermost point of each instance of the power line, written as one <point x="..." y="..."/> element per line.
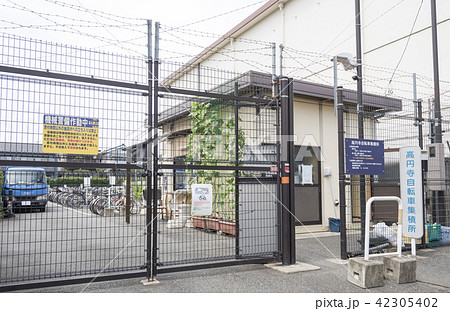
<point x="407" y="42"/>
<point x="216" y="16"/>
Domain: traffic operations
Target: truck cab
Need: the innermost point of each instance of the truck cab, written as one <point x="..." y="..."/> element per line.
<point x="24" y="188"/>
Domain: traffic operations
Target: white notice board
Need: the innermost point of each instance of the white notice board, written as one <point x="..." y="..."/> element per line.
<point x="87" y="181"/>
<point x="307" y="174"/>
<point x="202" y="199"/>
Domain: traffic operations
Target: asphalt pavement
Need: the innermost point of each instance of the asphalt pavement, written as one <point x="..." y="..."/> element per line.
<point x="319" y="249"/>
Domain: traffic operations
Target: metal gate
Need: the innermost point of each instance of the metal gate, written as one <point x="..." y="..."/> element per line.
<point x="122" y="141"/>
<point x="72" y="113"/>
<point x="216" y="133"/>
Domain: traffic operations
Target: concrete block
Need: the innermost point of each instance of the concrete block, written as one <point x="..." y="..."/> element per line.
<point x="107" y="212"/>
<point x="297" y="267"/>
<point x="365" y="273"/>
<point x="149" y="282"/>
<point x="400" y="269"/>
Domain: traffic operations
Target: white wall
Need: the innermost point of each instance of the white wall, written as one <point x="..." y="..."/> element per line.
<point x="312" y="31"/>
<point x="316" y="125"/>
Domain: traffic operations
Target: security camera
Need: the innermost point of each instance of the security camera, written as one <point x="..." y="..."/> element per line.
<point x="336" y="202"/>
<point x="355" y="78"/>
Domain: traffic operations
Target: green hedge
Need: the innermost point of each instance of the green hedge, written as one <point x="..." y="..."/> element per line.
<point x="77" y="181"/>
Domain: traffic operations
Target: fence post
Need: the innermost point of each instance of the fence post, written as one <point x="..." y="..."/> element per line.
<point x="287" y="179"/>
<point x="148" y="154"/>
<point x="155" y="152"/>
<point x="128" y="197"/>
<point x="236" y="172"/>
<point x="341" y="147"/>
<point x="276" y="91"/>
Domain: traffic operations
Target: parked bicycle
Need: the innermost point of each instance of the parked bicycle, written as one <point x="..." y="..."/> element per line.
<point x="96" y="199"/>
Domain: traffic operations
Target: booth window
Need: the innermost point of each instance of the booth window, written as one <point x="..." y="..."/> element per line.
<point x="179" y="176"/>
<point x="306" y="165"/>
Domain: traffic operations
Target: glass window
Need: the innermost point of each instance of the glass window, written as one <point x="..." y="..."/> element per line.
<point x="22" y="177"/>
<point x="306" y="165"/>
<point x="179" y="175"/>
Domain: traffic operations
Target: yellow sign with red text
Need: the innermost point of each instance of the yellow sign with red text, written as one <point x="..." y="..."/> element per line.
<point x="71" y="135"/>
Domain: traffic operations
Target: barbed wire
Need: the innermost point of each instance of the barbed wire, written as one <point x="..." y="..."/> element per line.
<point x="223" y="51"/>
<point x="216" y="16"/>
<point x="323" y="60"/>
<point x="81" y="22"/>
<point x="64" y="28"/>
<point x="314" y="58"/>
<point x="98" y="13"/>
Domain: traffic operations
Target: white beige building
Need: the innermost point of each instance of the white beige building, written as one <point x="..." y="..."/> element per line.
<point x="396" y="42"/>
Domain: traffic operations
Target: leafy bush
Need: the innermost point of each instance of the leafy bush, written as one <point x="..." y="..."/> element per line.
<point x="213" y="128"/>
<point x="77" y="181"/>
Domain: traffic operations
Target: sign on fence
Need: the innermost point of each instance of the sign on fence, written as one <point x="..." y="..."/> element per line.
<point x="72" y="135"/>
<point x="364" y="156"/>
<point x="411" y="191"/>
<point x="87" y="182"/>
<point x="202" y="199"/>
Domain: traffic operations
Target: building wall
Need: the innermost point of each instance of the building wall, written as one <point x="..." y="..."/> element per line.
<point x="324" y="28"/>
<point x="315" y="125"/>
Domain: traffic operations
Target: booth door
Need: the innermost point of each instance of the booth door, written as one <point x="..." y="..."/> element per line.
<point x="307" y="188"/>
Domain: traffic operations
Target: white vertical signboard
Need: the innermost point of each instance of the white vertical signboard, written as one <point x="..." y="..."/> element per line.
<point x="202" y="199"/>
<point x="411" y="191"/>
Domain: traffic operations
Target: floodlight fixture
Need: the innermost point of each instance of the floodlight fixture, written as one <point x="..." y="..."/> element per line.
<point x="347" y="60"/>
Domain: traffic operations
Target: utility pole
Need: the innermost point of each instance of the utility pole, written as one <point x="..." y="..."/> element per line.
<point x="437" y="101"/>
<point x="439" y="208"/>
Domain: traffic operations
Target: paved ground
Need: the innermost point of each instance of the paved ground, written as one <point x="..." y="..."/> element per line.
<point x="433" y="275"/>
<point x="63" y="239"/>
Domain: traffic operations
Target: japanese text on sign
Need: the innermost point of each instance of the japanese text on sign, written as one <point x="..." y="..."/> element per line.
<point x="72" y="135"/>
<point x="202" y="199"/>
<point x="364" y="157"/>
<point x="411" y="191"/>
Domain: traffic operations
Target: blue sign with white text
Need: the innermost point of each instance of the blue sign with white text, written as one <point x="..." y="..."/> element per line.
<point x="364" y="156"/>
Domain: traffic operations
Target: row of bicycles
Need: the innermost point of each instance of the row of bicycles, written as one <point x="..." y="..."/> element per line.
<point x="96" y="199"/>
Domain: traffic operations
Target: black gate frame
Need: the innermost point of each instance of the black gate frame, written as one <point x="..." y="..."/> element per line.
<point x="283" y="102"/>
<point x="69" y="164"/>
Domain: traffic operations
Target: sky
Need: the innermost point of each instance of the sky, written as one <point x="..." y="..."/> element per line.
<point x="118" y="25"/>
